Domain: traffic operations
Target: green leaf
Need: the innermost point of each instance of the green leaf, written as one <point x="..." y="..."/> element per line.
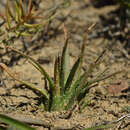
<point x="32" y="25"/>
<point x="57" y="103"/>
<point x="64" y="66"/>
<point x="85" y="85"/>
<point x="15" y="123"/>
<point x="77" y="87"/>
<point x="22" y="6"/>
<point x="23" y="33"/>
<point x="56" y="99"/>
<point x="72" y="74"/>
<point x="9" y="10"/>
<point x="8" y="19"/>
<point x="18" y="12"/>
<point x="37" y="66"/>
<point x="71" y="95"/>
<point x="77" y="68"/>
<point x="29" y="85"/>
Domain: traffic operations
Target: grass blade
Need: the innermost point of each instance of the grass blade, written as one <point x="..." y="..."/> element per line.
<point x="21" y="7"/>
<point x="101" y="73"/>
<point x="85" y="38"/>
<point x="15" y="123"/>
<point x="104" y="77"/>
<point x="18" y="12"/>
<point x="87" y="83"/>
<point x="23" y="34"/>
<point x="9" y="10"/>
<point x="29" y="85"/>
<point x="37" y="66"/>
<point x="86" y="74"/>
<point x="8" y="16"/>
<point x="32" y="25"/>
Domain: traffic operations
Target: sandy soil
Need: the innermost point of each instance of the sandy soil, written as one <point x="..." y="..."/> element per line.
<point x="108" y="99"/>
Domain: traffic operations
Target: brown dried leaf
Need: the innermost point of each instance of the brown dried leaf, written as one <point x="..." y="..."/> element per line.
<point x="10" y="73"/>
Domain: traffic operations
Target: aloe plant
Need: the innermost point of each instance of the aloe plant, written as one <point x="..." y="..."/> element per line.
<point x="69" y="86"/>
